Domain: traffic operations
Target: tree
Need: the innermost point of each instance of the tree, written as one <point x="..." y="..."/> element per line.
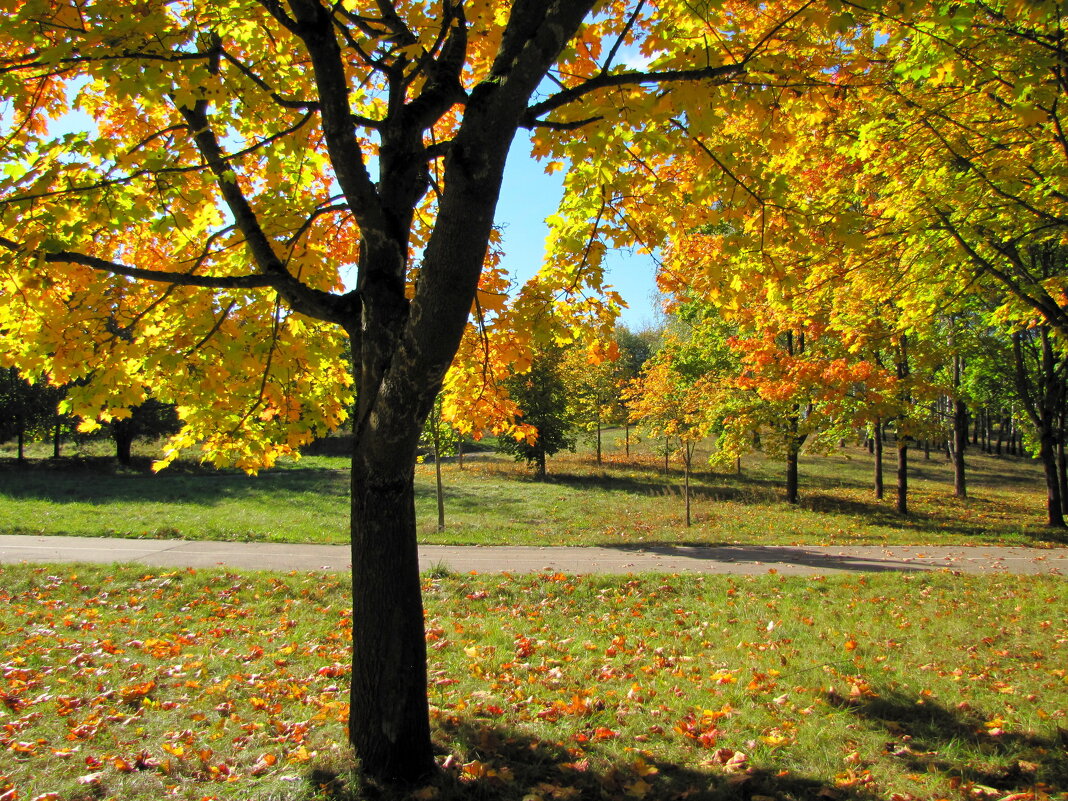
<point x="187" y="234"/>
<point x="670" y="400"/>
<point x="26" y="408"/>
<point x="149" y="419"/>
<point x="542" y="396"/>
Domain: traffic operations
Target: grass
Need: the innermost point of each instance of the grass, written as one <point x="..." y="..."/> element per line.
<point x="121" y="683"/>
<point x="625" y="502"/>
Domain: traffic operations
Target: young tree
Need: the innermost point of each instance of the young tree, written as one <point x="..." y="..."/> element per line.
<point x="207" y="230"/>
<point x="542" y="396"/>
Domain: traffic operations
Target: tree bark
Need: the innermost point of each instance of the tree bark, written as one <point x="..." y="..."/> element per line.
<point x="791" y="476"/>
<point x="437" y="474"/>
<point x="388" y="710"/>
<point x="687" y="452"/>
<point x="960" y="433"/>
<point x="902" y="475"/>
<point x="878" y="451"/>
<point x="1047" y="454"/>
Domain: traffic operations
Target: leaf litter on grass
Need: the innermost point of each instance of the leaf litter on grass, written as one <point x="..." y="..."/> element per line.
<point x="116" y="682"/>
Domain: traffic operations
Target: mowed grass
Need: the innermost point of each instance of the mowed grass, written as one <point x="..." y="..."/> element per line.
<point x="493" y="500"/>
<point x="116" y="683"/>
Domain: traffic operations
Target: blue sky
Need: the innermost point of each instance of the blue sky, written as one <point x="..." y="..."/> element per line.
<point x="528" y="196"/>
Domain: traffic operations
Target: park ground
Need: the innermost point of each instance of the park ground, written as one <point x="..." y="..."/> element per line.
<point x="138" y="683"/>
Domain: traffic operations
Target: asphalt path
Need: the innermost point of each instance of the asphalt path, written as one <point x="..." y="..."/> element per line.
<point x="790" y="560"/>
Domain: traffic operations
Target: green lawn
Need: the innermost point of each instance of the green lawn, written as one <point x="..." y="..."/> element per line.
<point x="122" y="683"/>
<point x="495" y="501"/>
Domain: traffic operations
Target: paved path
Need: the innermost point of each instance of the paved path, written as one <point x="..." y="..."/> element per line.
<point x="738" y="559"/>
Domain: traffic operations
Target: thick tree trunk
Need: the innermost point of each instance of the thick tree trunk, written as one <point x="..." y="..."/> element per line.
<point x="122" y="433"/>
<point x="389" y="717"/>
<point x="791" y="476"/>
<point x="1047" y="454"/>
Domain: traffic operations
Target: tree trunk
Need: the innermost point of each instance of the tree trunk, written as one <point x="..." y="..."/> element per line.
<point x="437" y="474"/>
<point x="122" y="433"/>
<point x="21" y="442"/>
<point x="960" y="444"/>
<point x="460" y="451"/>
<point x="902" y="475"/>
<point x="1062" y="475"/>
<point x="1047" y="454"/>
<point x="626" y="436"/>
<point x="57" y="433"/>
<point x="389" y="716"/>
<point x="687" y="454"/>
<point x="791" y="476"/>
<point x="878" y="450"/>
<point x="598" y="440"/>
<point x="539" y="462"/>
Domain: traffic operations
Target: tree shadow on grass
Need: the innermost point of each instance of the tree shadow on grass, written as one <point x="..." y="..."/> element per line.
<point x="496" y="763"/>
<point x="964" y="745"/>
<point x="101" y="479"/>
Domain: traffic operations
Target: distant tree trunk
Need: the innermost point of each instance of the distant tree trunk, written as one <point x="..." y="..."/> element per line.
<point x="21" y="442"/>
<point x="598" y="439"/>
<point x="877" y="442"/>
<point x="667" y="453"/>
<point x="960" y="433"/>
<point x="902" y="438"/>
<point x="738" y="465"/>
<point x="626" y="436"/>
<point x="791" y="477"/>
<point x="460" y="452"/>
<point x="902" y="475"/>
<point x="1001" y="436"/>
<point x="1062" y="475"/>
<point x="123" y="434"/>
<point x="687" y="456"/>
<point x="437" y="465"/>
<point x="57" y="432"/>
<point x="539" y="462"/>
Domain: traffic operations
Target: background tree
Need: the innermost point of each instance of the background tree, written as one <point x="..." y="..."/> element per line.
<point x="544" y="401"/>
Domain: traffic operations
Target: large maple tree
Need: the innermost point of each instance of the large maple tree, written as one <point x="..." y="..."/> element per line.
<point x="203" y="201"/>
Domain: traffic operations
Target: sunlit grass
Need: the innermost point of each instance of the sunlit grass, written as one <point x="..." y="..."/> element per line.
<point x="121" y="683"/>
<point x="493" y="500"/>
